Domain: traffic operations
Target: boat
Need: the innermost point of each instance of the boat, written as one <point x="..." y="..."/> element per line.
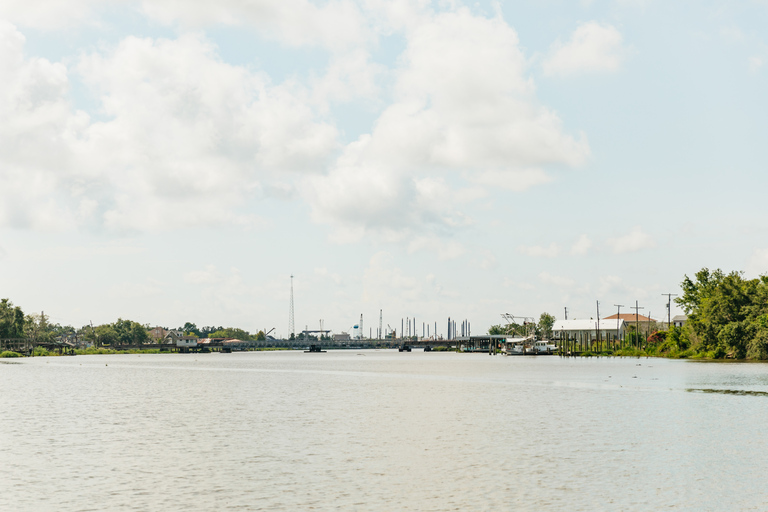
<point x="541" y="347"/>
<point x="427" y="349"/>
<point x="315" y="348"/>
<point x="404" y="348"/>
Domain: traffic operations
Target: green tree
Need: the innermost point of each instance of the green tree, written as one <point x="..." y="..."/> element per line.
<point x="11" y="320"/>
<point x="190" y="329"/>
<point x="545" y="325"/>
<point x="37" y="327"/>
<point x="231" y="332"/>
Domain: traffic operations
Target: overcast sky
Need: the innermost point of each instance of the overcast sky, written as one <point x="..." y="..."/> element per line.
<point x="169" y="161"/>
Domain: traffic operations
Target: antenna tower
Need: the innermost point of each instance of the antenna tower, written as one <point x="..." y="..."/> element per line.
<point x="291" y="327"/>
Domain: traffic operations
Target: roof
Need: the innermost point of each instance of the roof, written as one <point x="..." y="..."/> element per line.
<point x="679" y="318"/>
<point x="630" y="317"/>
<point x="584" y="325"/>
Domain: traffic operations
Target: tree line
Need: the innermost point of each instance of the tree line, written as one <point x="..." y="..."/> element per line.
<point x="15" y="324"/>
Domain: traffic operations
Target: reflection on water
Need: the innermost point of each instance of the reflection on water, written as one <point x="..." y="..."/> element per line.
<point x="380" y="430"/>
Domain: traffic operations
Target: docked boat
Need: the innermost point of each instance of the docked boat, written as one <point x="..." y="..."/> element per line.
<point x="404" y="348"/>
<point x="541" y="347"/>
<point x="315" y="348"/>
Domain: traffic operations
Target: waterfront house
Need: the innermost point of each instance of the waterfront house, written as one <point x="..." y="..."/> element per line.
<point x="679" y="320"/>
<point x="587" y="330"/>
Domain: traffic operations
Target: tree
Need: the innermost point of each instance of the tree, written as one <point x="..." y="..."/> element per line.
<point x="727" y="315"/>
<point x="38" y="328"/>
<point x="544" y="327"/>
<point x="11" y="320"/>
<point x="231" y="332"/>
<point x="191" y="329"/>
<point x="497" y="330"/>
<point x="260" y="336"/>
<point x="206" y="331"/>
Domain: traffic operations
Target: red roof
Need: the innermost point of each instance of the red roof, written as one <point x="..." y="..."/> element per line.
<point x="630" y="317"/>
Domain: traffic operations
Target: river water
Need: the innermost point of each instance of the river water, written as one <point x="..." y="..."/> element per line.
<point x="381" y="430"/>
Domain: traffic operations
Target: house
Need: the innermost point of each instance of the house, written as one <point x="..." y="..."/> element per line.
<point x="186" y="341"/>
<point x="341" y="337"/>
<point x="172" y="336"/>
<point x="157" y="334"/>
<point x="643" y="322"/>
<point x="587" y="330"/>
<point x="679" y="320"/>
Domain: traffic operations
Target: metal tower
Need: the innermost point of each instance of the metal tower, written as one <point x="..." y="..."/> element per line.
<point x="291" y="327"/>
<point x="381" y="317"/>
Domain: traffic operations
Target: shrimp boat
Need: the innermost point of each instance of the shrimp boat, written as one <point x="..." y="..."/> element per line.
<point x="526" y="346"/>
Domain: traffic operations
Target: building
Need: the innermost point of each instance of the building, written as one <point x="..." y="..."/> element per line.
<point x="679" y="320"/>
<point x="630" y="318"/>
<point x="341" y="337"/>
<point x="587" y="330"/>
<point x="157" y="334"/>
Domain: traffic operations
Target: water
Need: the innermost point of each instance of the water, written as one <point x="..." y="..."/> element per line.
<point x="380" y="430"/>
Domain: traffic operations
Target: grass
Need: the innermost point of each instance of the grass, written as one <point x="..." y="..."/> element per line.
<point x="9" y="353"/>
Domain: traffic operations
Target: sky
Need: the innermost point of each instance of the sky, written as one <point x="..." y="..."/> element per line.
<point x="168" y="161"/>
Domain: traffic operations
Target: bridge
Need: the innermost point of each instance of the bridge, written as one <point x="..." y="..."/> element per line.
<point x="26" y="346"/>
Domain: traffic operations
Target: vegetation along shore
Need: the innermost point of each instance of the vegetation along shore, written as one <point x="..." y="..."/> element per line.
<point x="727" y="318"/>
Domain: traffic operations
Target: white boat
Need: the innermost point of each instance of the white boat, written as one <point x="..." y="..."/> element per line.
<point x="543" y="347"/>
<point x="517" y="346"/>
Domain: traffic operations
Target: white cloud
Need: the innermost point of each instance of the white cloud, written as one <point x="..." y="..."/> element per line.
<point x="335" y="24"/>
<point x="38" y="124"/>
<point x="463" y="105"/>
<point x="592" y="47"/>
<point x="634" y="241"/>
<point x="755" y="63"/>
<point x="537" y="251"/>
<point x="581" y="246"/>
<point x="51" y="14"/>
<point x="185" y="141"/>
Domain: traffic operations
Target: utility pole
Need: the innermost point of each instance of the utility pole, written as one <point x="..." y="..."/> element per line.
<point x="637" y="308"/>
<point x="598" y="324"/>
<point x="618" y="319"/>
<point x="566" y="312"/>
<point x="669" y="307"/>
<point x="291" y="328"/>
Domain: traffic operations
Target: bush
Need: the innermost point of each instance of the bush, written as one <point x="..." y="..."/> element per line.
<point x="40" y="351"/>
<point x="9" y="353"/>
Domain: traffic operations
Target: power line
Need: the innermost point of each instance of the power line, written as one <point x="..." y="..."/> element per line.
<point x="669" y="307"/>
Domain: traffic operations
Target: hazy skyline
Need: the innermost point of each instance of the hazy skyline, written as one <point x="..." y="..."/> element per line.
<point x="177" y="161"/>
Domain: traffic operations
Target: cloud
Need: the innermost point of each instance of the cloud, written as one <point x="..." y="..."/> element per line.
<point x="463" y="106"/>
<point x="755" y="63"/>
<point x="581" y="246"/>
<point x="335" y="24"/>
<point x="536" y="251"/>
<point x="592" y="48"/>
<point x="38" y="125"/>
<point x="634" y="241"/>
<point x="51" y="14"/>
<point x="185" y="139"/>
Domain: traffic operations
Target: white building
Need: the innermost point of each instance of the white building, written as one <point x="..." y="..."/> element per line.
<point x="586" y="330"/>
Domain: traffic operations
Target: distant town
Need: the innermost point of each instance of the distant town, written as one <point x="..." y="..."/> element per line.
<point x="726" y="318"/>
